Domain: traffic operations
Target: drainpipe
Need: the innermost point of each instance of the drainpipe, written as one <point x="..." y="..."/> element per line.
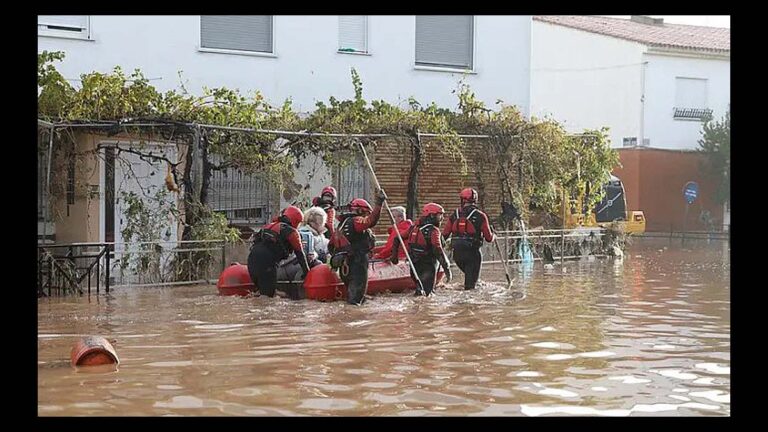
<point x="641" y="140"/>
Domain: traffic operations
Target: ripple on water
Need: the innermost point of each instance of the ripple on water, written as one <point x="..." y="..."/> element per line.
<point x="525" y="374"/>
<point x="328" y="404"/>
<point x="629" y="379"/>
<point x="675" y="373"/>
<point x="714" y="368"/>
<point x="557" y="357"/>
<point x="597" y="354"/>
<point x="558" y="392"/>
<point x="556" y="345"/>
<point x="510" y="362"/>
<point x="581" y="343"/>
<point x="713" y="395"/>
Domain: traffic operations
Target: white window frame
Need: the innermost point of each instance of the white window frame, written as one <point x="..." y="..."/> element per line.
<point x="202" y="49"/>
<point x="367" y="51"/>
<point x="85" y="34"/>
<point x="685" y="113"/>
<point x="470" y="71"/>
<point x="706" y="90"/>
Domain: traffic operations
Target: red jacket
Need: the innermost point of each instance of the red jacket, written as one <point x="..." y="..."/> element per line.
<point x="402" y="226"/>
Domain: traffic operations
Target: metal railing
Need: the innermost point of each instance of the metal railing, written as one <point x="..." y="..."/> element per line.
<point x="65" y="268"/>
<point x="68" y="268"/>
<point x="702" y="235"/>
<point x="567" y="244"/>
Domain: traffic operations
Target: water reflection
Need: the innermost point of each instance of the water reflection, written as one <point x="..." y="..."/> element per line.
<point x="647" y="336"/>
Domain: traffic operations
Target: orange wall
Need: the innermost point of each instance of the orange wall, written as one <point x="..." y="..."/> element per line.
<point x="654" y="180"/>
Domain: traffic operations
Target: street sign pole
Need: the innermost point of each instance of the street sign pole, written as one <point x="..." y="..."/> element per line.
<point x="690" y="193"/>
<point x="685" y="222"/>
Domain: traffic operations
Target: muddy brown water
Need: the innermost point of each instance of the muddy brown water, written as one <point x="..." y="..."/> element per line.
<point x="649" y="335"/>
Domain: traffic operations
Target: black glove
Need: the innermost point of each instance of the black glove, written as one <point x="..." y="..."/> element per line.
<point x="394" y="259"/>
<point x="337" y="260"/>
<point x="448" y="275"/>
<point x="380" y="196"/>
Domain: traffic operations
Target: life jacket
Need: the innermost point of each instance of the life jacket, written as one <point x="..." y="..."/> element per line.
<point x="419" y="245"/>
<point x="346" y="239"/>
<point x="275" y="237"/>
<point x="466" y="225"/>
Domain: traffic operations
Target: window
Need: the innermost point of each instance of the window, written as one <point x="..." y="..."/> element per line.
<point x="353" y="33"/>
<point x="243" y="198"/>
<point x="691" y="99"/>
<point x="629" y="141"/>
<point x="67" y="26"/>
<point x="353" y="181"/>
<point x="250" y="33"/>
<point x="445" y="41"/>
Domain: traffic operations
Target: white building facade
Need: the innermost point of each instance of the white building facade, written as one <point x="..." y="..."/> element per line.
<point x="649" y="82"/>
<point x="306" y="58"/>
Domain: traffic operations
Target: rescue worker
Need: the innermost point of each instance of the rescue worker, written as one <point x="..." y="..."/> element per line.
<point x="312" y="240"/>
<point x="425" y="247"/>
<point x="467" y="227"/>
<point x="403" y="225"/>
<point x="351" y="243"/>
<point x="273" y="243"/>
<point x="327" y="201"/>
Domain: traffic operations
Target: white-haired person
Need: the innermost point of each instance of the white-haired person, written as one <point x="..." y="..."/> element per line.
<point x="315" y="223"/>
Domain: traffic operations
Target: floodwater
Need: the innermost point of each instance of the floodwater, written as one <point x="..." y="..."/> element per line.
<point x="649" y="335"/>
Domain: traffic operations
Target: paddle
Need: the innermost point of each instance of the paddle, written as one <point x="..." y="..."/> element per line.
<point x="503" y="260"/>
<point x="394" y="223"/>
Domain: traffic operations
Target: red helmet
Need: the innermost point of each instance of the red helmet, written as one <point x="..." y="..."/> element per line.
<point x="432" y="208"/>
<point x="294" y="215"/>
<point x="468" y="195"/>
<point x="329" y="190"/>
<point x="360" y="205"/>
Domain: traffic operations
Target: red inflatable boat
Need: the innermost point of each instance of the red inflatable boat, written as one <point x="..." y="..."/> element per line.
<point x="324" y="284"/>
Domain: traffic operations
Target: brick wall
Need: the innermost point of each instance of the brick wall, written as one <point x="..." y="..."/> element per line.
<point x="440" y="178"/>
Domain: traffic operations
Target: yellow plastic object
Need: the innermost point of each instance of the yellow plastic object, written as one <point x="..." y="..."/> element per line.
<point x="635" y="222"/>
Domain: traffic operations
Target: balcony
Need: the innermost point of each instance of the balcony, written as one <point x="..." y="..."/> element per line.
<point x="695" y="114"/>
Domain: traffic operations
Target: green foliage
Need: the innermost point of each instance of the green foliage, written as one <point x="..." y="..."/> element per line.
<point x="214" y="226"/>
<point x="538" y="154"/>
<point x="144" y="224"/>
<point x="53" y="90"/>
<point x="716" y="144"/>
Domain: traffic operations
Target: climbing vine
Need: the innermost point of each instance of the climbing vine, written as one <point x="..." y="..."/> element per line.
<point x="535" y="159"/>
<point x="529" y="158"/>
<point x="145" y="227"/>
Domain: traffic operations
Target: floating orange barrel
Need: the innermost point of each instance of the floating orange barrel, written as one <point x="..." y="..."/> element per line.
<point x="235" y="280"/>
<point x="323" y="284"/>
<point x="93" y="351"/>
